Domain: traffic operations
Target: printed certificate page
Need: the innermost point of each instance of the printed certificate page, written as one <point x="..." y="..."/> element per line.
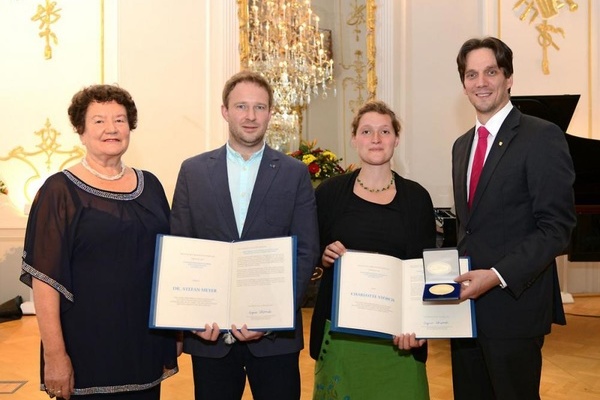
<point x="198" y="281"/>
<point x="434" y="319"/>
<point x="262" y="292"/>
<point x="367" y="297"/>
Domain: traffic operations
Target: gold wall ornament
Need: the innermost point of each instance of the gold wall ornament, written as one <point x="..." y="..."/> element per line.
<point x="34" y="173"/>
<point x="545" y="9"/>
<point x="371" y="50"/>
<point x="282" y="41"/>
<point x="356" y="82"/>
<point x="47" y="15"/>
<point x="362" y="75"/>
<point x="356" y="19"/>
<point x="243" y="29"/>
<point x="546" y="40"/>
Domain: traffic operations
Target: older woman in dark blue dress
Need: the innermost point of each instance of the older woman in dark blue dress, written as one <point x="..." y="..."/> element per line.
<point x="88" y="255"/>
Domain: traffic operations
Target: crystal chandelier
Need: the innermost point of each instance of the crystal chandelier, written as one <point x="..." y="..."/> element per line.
<point x="281" y="40"/>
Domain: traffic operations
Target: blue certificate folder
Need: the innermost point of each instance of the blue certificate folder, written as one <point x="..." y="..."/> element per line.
<point x="381" y="296"/>
<point x="198" y="281"/>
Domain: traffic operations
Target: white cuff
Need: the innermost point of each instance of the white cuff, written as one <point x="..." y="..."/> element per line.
<point x="502" y="281"/>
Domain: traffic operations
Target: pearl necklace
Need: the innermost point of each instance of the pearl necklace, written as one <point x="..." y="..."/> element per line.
<point x="102" y="176"/>
<point x="376" y="190"/>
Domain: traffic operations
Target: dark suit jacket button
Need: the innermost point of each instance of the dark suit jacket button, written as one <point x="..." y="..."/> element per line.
<point x="468" y="231"/>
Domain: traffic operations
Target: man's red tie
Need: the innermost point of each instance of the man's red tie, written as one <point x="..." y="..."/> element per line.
<point x="478" y="160"/>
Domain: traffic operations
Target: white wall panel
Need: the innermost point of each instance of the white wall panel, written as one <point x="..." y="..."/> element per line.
<point x="435" y="110"/>
<point x="175" y="60"/>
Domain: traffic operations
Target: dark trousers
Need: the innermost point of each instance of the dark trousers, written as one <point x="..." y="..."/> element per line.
<point x="270" y="378"/>
<point x="496" y="369"/>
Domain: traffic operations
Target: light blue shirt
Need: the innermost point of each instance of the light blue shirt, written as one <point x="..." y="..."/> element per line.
<point x="241" y="175"/>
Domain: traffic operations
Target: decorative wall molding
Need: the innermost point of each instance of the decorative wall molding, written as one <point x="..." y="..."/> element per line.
<point x="31" y="167"/>
<point x="37" y="140"/>
<point x="47" y="15"/>
<point x="555" y="48"/>
<point x="37" y="85"/>
<point x="537" y="14"/>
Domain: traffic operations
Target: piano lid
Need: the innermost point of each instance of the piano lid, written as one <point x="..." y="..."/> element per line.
<point x="554" y="108"/>
<point x="584" y="151"/>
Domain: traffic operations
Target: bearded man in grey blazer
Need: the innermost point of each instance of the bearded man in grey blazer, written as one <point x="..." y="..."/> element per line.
<point x="513" y="222"/>
<point x="245" y="190"/>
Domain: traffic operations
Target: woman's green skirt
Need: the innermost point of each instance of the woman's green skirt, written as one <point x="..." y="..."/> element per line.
<point x="352" y="367"/>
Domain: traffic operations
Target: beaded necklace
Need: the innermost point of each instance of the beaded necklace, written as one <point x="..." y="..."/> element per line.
<point x="376" y="190"/>
<point x="100" y="175"/>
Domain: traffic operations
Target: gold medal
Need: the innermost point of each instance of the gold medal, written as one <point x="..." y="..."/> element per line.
<point x="441" y="289"/>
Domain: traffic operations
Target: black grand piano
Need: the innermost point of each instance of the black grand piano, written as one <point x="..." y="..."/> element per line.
<point x="585" y="241"/>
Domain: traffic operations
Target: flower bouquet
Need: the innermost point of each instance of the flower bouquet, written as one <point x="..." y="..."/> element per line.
<point x="322" y="164"/>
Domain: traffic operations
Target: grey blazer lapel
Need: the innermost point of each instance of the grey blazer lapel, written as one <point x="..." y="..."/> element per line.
<point x="219" y="180"/>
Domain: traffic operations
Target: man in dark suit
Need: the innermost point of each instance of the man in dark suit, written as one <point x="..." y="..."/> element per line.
<point x="513" y="222"/>
<point x="246" y="190"/>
